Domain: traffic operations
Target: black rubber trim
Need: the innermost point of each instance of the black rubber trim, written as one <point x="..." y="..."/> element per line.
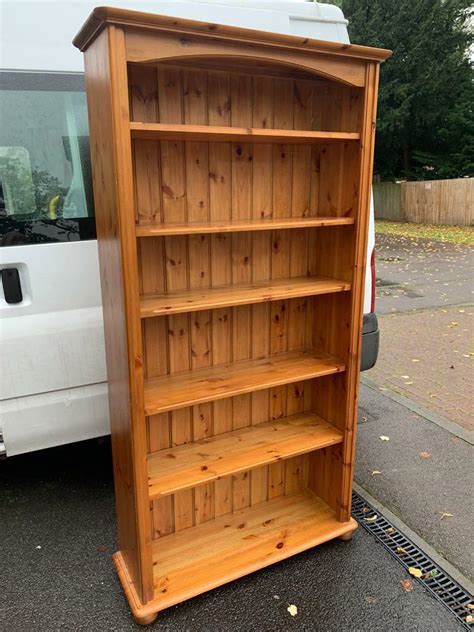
<point x="434" y="579"/>
<point x="370" y="323"/>
<point x="370" y="342"/>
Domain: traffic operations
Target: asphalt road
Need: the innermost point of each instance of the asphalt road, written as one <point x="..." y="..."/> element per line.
<point x="418" y="489"/>
<point x="416" y="274"/>
<point x="420" y="274"/>
<point x="58" y="532"/>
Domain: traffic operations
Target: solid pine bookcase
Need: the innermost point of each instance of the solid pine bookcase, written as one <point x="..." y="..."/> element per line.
<point x="232" y="172"/>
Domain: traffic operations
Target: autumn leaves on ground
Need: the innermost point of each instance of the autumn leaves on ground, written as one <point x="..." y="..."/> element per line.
<point x="416" y="405"/>
<point x="424" y="301"/>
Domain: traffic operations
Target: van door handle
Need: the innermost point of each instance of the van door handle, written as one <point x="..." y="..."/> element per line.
<point x="11" y="285"/>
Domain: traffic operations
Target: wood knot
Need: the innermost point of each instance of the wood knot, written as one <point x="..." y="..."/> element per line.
<point x="280" y="545"/>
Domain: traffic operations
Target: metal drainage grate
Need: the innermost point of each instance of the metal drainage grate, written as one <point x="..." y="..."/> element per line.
<point x="434" y="578"/>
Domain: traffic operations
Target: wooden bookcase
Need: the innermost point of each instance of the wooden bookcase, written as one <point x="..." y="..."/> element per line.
<point x="232" y="174"/>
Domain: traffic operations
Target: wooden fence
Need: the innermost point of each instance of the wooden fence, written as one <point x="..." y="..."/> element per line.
<point x="430" y="202"/>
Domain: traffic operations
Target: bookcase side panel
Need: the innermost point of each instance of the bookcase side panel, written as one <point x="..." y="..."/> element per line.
<point x="102" y="70"/>
<point x="357" y="293"/>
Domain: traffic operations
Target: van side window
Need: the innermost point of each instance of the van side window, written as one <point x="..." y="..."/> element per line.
<point x="45" y="172"/>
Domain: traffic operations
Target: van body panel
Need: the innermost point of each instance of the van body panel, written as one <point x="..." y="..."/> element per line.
<point x="51" y="419"/>
<point x="53" y="386"/>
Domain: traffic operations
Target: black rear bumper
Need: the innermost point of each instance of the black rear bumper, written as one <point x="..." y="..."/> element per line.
<point x="370" y="342"/>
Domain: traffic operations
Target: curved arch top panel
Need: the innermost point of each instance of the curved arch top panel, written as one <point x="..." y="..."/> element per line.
<point x="147" y="48"/>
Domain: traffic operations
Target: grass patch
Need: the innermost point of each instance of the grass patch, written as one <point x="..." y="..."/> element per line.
<point x="453" y="234"/>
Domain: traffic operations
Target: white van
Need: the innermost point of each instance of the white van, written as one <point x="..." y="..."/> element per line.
<point x="53" y="387"/>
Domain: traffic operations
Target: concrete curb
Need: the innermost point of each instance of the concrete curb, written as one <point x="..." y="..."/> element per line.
<point x="439" y="420"/>
<point x="418" y="310"/>
<point x="447" y="567"/>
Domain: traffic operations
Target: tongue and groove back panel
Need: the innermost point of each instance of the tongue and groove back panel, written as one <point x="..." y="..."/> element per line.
<point x="190" y="182"/>
<point x="232" y="261"/>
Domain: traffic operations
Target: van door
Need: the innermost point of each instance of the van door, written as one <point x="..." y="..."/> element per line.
<point x="53" y="379"/>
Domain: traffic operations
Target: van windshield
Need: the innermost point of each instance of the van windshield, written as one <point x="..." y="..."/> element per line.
<point x="45" y="174"/>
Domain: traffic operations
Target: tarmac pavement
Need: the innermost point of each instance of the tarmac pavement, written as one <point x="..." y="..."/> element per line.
<point x="420" y="274"/>
<point x="425" y="472"/>
<point x="58" y="533"/>
<point x="426" y="466"/>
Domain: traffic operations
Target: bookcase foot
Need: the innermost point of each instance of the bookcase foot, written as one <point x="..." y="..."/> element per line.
<point x="145" y="620"/>
<point x="345" y="537"/>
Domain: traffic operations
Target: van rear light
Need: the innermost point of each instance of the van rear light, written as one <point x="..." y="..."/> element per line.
<point x="372" y="272"/>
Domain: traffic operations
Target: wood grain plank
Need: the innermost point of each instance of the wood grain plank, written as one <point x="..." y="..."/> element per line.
<point x="203" y="385"/>
<point x="236" y="226"/>
<point x="208" y="459"/>
<point x="235" y="134"/>
<point x="182" y="301"/>
<point x="234" y="546"/>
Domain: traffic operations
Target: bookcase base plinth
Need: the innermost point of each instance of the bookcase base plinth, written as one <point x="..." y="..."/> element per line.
<point x="232" y="546"/>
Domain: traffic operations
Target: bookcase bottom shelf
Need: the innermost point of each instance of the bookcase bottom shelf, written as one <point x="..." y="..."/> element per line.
<point x="193" y="561"/>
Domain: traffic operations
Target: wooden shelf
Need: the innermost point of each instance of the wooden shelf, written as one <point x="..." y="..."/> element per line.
<point x="210" y="459"/>
<point x="236" y="226"/>
<point x="214" y="133"/>
<point x="212" y="298"/>
<point x="226" y="380"/>
<point x="198" y="559"/>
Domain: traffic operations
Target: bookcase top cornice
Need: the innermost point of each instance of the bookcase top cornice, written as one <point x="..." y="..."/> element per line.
<point x="103" y="16"/>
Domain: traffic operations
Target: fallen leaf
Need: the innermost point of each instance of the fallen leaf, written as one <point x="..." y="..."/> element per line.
<point x="401" y="551"/>
<point x="445" y="514"/>
<point x="469" y="618"/>
<point x="424" y="455"/>
<point x="407" y="585"/>
<point x="432" y="573"/>
<point x="293" y="610"/>
<point x="470" y="606"/>
<point x="365" y="509"/>
<point x="405" y="377"/>
<point x="415" y="571"/>
<point x="390" y="530"/>
<point x="384" y="438"/>
<point x="375" y="472"/>
<point x="407" y="383"/>
<point x="372" y="518"/>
